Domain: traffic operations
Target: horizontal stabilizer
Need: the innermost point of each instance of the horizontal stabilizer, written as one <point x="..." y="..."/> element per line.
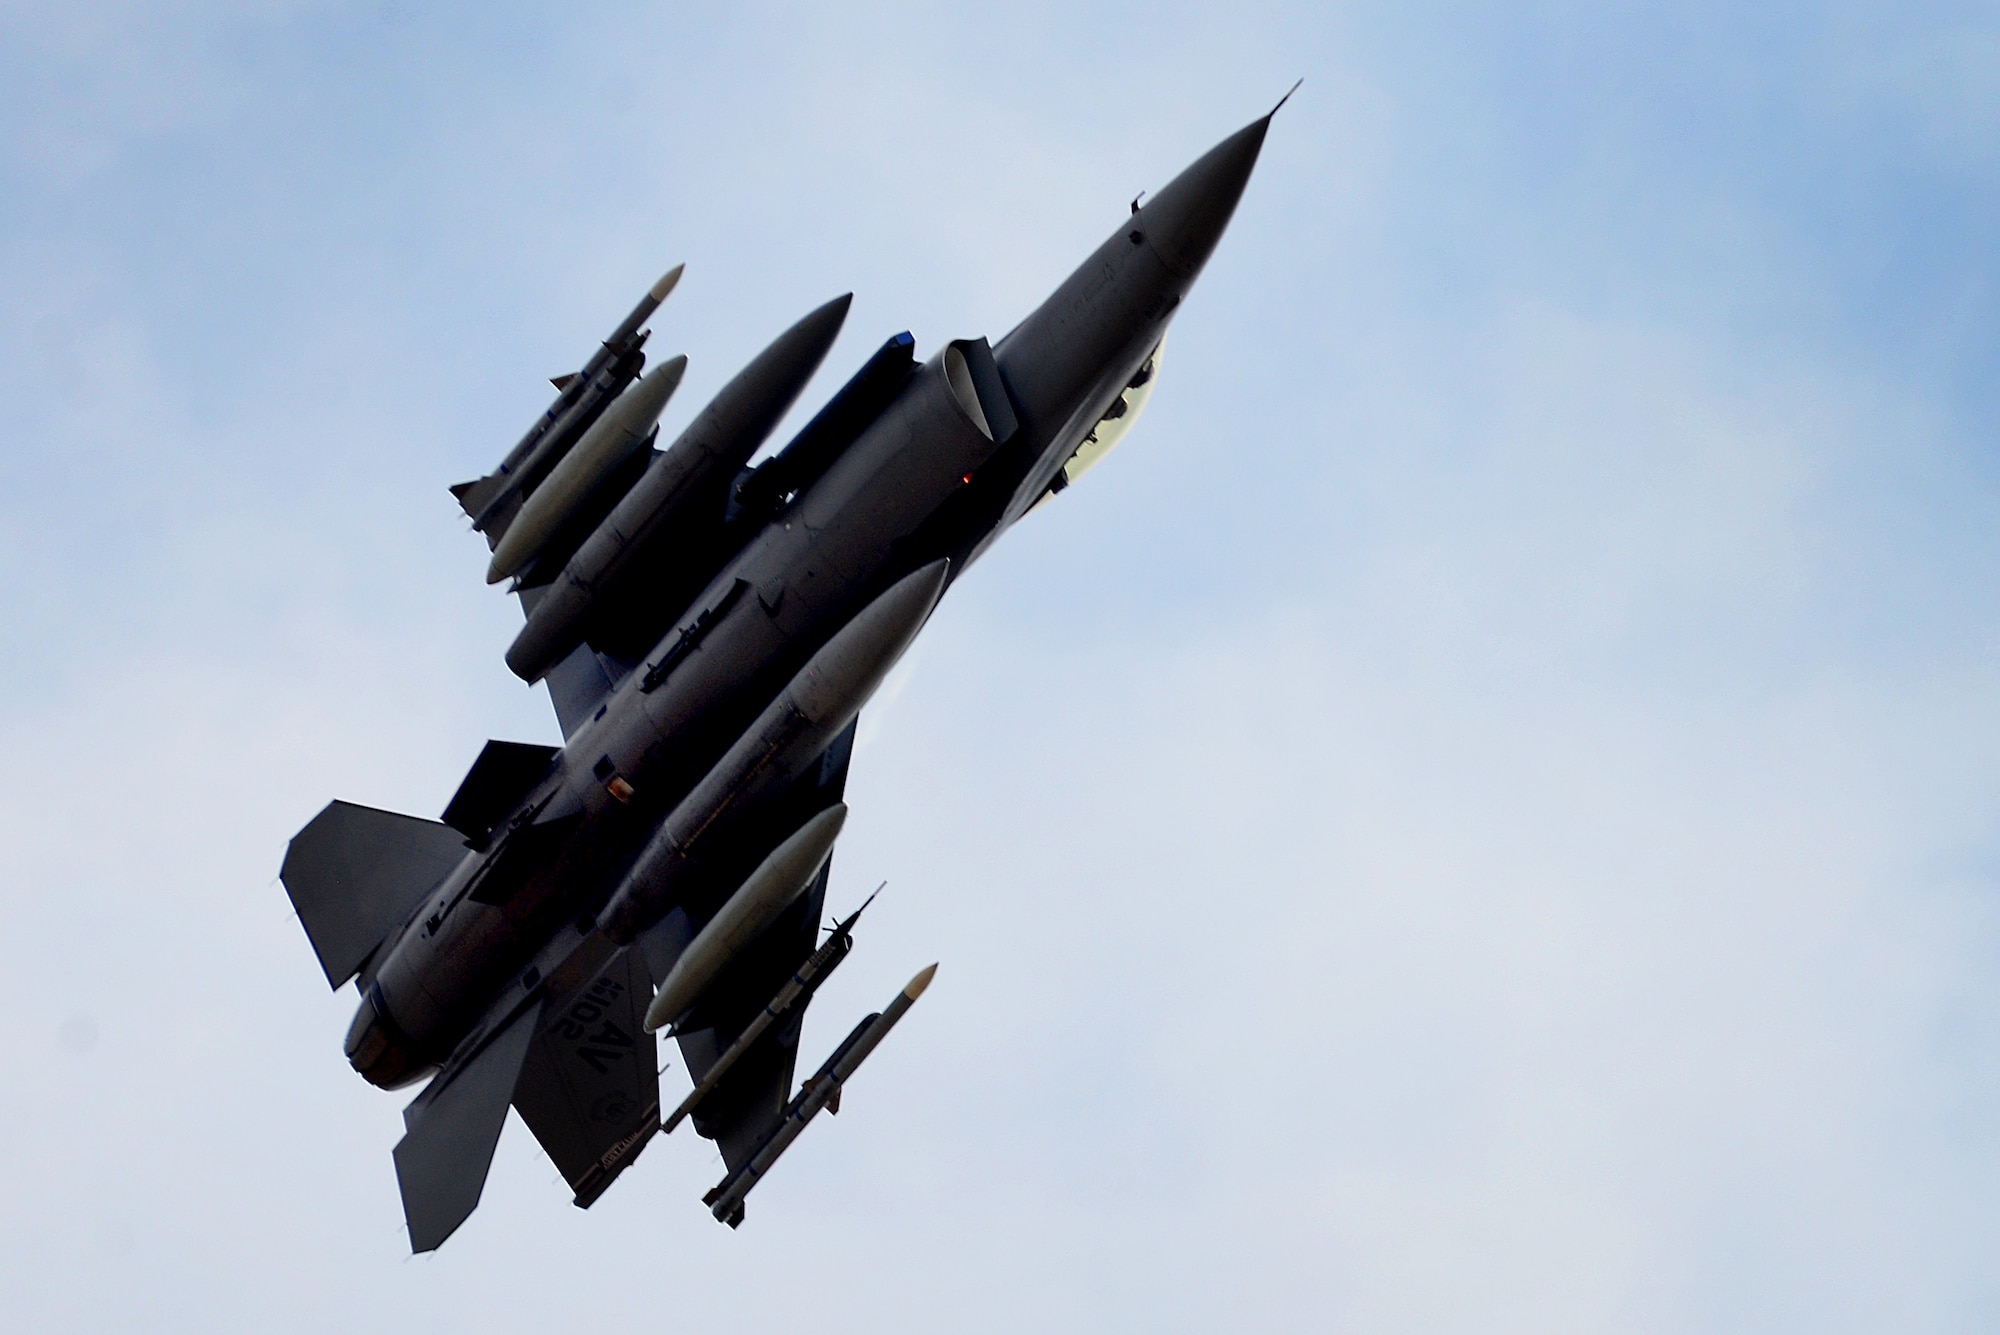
<point x="590" y="1089"/>
<point x="454" y="1127"/>
<point x="355" y="874"/>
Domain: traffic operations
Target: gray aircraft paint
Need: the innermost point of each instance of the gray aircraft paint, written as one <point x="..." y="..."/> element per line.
<point x="706" y="752"/>
<point x="715" y="445"/>
<point x="820" y="1094"/>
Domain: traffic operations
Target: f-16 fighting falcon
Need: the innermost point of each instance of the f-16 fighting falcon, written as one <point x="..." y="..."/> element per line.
<point x="709" y="632"/>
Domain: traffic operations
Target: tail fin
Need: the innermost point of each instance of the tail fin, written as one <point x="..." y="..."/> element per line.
<point x="473" y="497"/>
<point x="355" y="873"/>
<point x="590" y="1089"/>
<point x="452" y="1130"/>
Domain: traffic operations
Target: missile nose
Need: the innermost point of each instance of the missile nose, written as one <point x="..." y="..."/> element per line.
<point x="1185" y="219"/>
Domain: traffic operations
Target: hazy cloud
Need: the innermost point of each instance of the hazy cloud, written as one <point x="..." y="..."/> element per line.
<point x="1480" y="815"/>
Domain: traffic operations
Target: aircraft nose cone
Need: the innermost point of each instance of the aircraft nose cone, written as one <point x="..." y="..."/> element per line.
<point x="1184" y="221"/>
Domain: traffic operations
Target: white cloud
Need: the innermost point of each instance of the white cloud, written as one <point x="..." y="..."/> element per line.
<point x="1480" y="816"/>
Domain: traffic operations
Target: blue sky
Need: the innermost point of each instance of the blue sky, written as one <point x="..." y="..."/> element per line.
<point x="1479" y="816"/>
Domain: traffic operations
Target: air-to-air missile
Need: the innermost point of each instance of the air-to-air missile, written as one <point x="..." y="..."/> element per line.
<point x="805" y="981"/>
<point x="580" y="397"/>
<point x="822" y="1091"/>
<point x="709" y="630"/>
<point x="681" y="496"/>
<point x="621" y="432"/>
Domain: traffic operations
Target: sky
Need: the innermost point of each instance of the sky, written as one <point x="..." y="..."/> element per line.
<point x="1482" y="815"/>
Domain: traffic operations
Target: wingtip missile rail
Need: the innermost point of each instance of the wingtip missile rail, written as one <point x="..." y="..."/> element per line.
<point x="822" y="1092"/>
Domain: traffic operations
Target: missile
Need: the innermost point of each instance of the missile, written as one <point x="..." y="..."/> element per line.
<point x="579" y="397"/>
<point x="819" y="966"/>
<point x="789" y="735"/>
<point x="778" y="880"/>
<point x="708" y="454"/>
<point x="611" y="440"/>
<point x="644" y="310"/>
<point x="573" y="385"/>
<point x="725" y="1202"/>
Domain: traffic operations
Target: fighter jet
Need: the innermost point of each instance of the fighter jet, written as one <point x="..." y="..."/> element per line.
<point x="709" y="631"/>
